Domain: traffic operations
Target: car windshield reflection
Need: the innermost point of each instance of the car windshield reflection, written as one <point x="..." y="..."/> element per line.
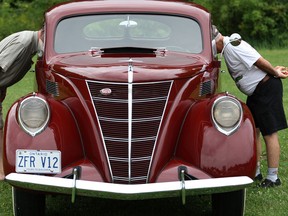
<point x="125" y="30"/>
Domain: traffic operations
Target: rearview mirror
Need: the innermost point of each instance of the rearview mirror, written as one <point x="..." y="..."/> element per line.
<point x="128" y="23"/>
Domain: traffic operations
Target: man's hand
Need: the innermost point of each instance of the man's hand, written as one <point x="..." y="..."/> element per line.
<point x="282" y="71"/>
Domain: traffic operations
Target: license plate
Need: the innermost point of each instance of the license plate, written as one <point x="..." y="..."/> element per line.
<point x="38" y="161"/>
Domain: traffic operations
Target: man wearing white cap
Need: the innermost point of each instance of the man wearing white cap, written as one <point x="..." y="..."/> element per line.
<point x="260" y="81"/>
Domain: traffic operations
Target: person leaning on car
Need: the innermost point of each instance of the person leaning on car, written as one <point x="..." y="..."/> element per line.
<point x="260" y="81"/>
<point x="16" y="53"/>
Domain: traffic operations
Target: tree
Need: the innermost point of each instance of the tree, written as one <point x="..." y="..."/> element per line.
<point x="22" y="14"/>
<point x="258" y="21"/>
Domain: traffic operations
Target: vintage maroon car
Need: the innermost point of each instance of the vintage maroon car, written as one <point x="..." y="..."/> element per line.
<point x="128" y="106"/>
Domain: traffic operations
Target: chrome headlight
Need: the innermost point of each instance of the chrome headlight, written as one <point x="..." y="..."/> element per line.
<point x="33" y="115"/>
<point x="227" y="114"/>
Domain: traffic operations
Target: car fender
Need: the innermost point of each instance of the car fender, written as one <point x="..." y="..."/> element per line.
<point x="201" y="144"/>
<point x="60" y="134"/>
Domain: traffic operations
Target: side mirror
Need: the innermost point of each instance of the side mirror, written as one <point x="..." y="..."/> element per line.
<point x="235" y="39"/>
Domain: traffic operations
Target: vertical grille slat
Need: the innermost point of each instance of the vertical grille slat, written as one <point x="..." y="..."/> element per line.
<point x="129" y="164"/>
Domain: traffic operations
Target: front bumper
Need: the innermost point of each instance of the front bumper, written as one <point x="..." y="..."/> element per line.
<point x="127" y="192"/>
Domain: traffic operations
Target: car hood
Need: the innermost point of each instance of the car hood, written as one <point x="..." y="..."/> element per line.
<point x="115" y="68"/>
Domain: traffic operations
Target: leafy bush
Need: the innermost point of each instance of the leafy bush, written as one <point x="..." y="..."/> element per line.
<point x="258" y="21"/>
<point x="22" y="15"/>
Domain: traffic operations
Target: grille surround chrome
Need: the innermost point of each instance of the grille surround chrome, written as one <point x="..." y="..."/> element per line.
<point x="130" y="153"/>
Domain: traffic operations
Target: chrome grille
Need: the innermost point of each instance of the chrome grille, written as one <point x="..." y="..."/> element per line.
<point x="129" y="155"/>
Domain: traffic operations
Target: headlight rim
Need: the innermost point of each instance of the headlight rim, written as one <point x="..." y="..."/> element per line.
<point x="227" y="130"/>
<point x="23" y="125"/>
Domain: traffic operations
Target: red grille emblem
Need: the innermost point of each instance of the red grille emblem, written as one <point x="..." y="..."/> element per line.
<point x="105" y="91"/>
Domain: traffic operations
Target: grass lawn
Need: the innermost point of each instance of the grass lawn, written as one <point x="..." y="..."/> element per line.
<point x="259" y="201"/>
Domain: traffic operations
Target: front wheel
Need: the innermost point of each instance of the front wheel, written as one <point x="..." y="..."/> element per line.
<point x="230" y="203"/>
<point x="26" y="203"/>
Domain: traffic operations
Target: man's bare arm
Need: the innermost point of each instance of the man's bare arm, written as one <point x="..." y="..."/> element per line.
<point x="266" y="66"/>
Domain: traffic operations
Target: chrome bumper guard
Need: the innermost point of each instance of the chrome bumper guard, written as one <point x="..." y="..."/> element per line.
<point x="127" y="192"/>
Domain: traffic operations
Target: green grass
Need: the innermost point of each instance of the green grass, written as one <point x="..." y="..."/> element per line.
<point x="259" y="201"/>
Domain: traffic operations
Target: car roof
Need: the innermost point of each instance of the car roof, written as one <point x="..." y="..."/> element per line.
<point x="90" y="6"/>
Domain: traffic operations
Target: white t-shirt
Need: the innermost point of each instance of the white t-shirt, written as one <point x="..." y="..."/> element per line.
<point x="240" y="62"/>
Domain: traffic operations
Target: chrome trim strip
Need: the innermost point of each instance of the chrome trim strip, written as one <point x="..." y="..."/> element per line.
<point x="133" y="120"/>
<point x="132" y="159"/>
<point x="119" y="159"/>
<point x="150" y="99"/>
<point x="143" y="139"/>
<point x="112" y="119"/>
<point x="157" y="118"/>
<point x="141" y="159"/>
<point x="125" y="101"/>
<point x="131" y="180"/>
<point x="127" y="191"/>
<point x="132" y="140"/>
<point x="115" y="139"/>
<point x="138" y="178"/>
<point x="130" y="116"/>
<point x="109" y="100"/>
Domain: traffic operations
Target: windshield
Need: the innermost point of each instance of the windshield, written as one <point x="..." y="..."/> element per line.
<point x="77" y="34"/>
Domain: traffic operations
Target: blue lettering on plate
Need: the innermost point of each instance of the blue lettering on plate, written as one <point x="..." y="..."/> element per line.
<point x="26" y="160"/>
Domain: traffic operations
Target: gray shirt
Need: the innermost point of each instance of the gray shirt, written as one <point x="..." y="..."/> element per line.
<point x="16" y="52"/>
